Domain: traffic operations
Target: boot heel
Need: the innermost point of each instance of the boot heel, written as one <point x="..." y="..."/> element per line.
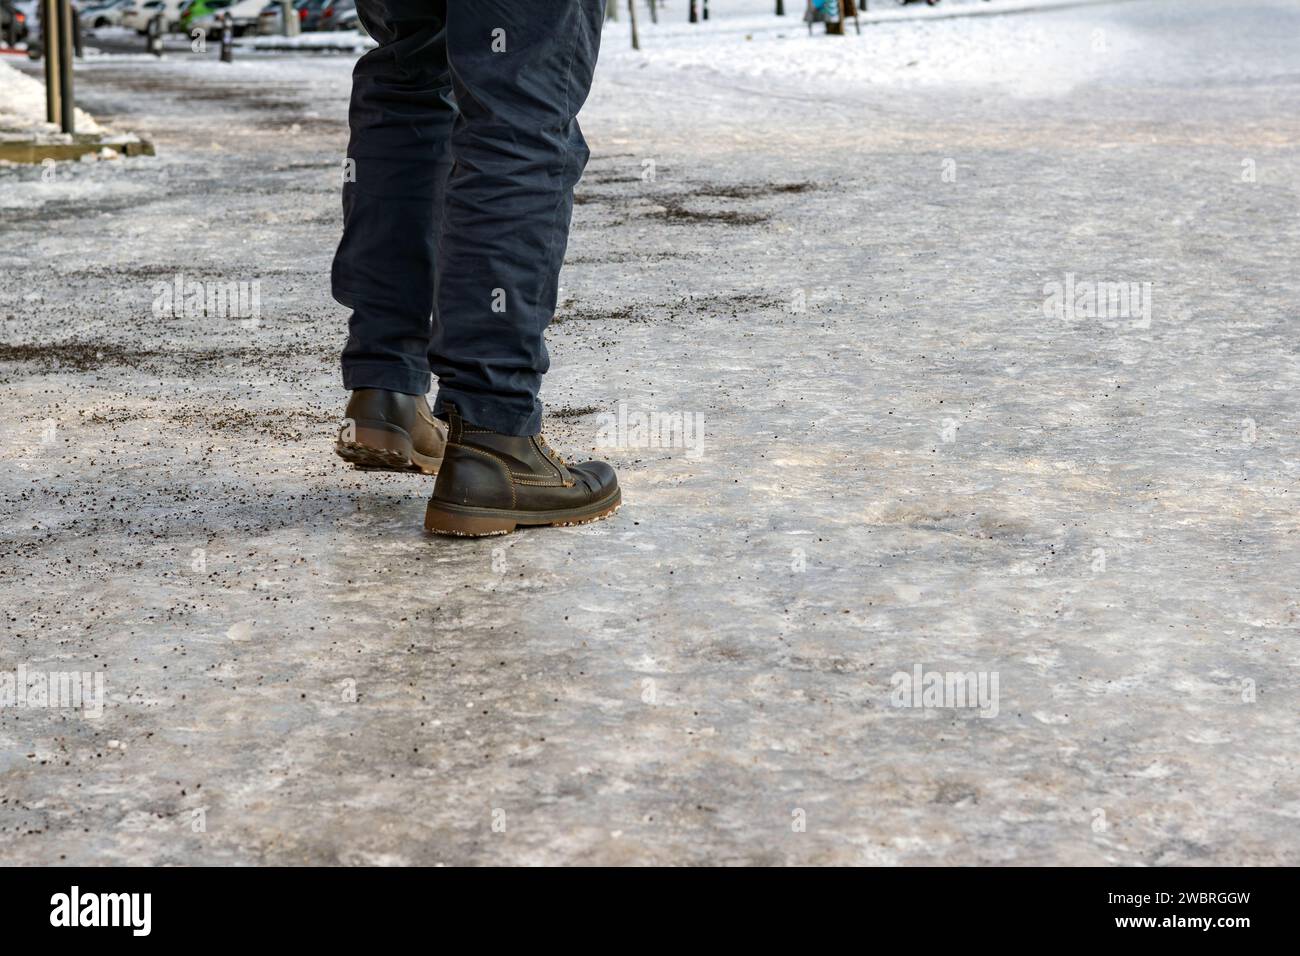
<point x="441" y="521"/>
<point x="376" y="446"/>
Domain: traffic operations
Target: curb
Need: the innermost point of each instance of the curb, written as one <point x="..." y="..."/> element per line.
<point x="34" y="151"/>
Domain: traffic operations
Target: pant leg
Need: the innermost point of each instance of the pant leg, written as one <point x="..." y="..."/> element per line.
<point x="521" y="70"/>
<point x="401" y="118"/>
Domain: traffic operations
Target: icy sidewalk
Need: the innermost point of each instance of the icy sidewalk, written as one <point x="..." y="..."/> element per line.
<point x="904" y="462"/>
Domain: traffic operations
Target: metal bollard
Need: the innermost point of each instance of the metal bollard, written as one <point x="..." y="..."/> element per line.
<point x="227" y="39"/>
<point x="153" y="35"/>
<point x="63" y="39"/>
<point x="50" y="46"/>
<point x="290" y="25"/>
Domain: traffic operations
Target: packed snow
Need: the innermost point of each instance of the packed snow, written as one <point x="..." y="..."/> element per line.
<point x="977" y="42"/>
<point x="325" y="40"/>
<point x="22" y="108"/>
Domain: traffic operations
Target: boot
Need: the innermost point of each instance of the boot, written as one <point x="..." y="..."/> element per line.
<point x="391" y="431"/>
<point x="491" y="483"/>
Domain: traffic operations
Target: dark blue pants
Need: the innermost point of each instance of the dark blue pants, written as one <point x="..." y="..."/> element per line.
<point x="465" y="151"/>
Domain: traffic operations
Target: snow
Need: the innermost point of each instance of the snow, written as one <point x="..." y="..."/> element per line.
<point x="899" y="45"/>
<point x="22" y="108"/>
<point x="329" y="40"/>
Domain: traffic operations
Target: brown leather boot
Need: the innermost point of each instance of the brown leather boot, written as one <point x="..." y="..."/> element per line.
<point x="390" y="431"/>
<point x="491" y="483"/>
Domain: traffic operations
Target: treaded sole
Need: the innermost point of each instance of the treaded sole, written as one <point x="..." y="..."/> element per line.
<point x="486" y="522"/>
<point x="368" y="448"/>
<point x="365" y="458"/>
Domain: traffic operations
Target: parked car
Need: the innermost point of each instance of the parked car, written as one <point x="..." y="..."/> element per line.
<point x="196" y="10"/>
<point x="333" y="11"/>
<point x="351" y="20"/>
<point x="137" y="14"/>
<point x="104" y="13"/>
<point x="243" y="17"/>
<point x="268" y="21"/>
<point x="13" y="22"/>
<point x="311" y="14"/>
<point x="27" y="14"/>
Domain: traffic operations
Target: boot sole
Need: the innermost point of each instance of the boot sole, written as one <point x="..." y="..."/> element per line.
<point x="467" y="522"/>
<point x="380" y="447"/>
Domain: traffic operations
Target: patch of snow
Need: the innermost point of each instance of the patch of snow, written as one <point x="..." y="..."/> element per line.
<point x="22" y="108"/>
<point x="898" y="45"/>
<point x="329" y="40"/>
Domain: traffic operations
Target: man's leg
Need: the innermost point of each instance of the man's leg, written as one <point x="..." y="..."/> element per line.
<point x="521" y="71"/>
<point x="401" y="118"/>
